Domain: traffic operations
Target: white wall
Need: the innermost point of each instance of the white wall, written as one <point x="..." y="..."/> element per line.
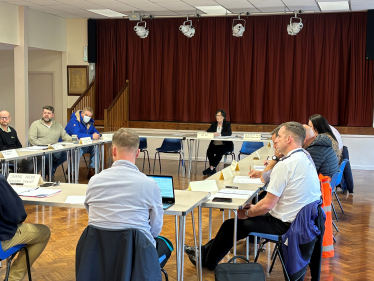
<point x="51" y="61"/>
<point x="7" y="83"/>
<point x="46" y="31"/>
<point x="8" y="23"/>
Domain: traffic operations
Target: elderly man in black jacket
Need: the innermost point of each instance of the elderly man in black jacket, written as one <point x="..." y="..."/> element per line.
<point x="14" y="232"/>
<point x="320" y="149"/>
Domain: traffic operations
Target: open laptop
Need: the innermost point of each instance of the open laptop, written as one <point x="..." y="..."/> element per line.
<point x="167" y="189"/>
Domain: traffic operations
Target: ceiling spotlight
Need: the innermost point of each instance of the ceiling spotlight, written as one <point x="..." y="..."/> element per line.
<point x="296" y="24"/>
<point x="187" y="29"/>
<point x="238" y="29"/>
<point x="141" y="30"/>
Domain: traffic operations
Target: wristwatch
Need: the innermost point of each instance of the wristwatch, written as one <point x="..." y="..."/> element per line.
<point x="246" y="213"/>
<point x="275" y="158"/>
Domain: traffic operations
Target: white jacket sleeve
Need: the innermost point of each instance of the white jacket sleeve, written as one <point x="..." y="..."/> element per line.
<point x="157" y="212"/>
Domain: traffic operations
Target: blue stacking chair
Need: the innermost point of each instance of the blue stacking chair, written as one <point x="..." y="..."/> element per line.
<point x="10" y="254"/>
<point x="335" y="181"/>
<point x="143" y="148"/>
<point x="249" y="147"/>
<point x="169" y="146"/>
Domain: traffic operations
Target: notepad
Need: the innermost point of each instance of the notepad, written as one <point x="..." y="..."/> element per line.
<point x="22" y="189"/>
<point x="246" y="179"/>
<point x="75" y="199"/>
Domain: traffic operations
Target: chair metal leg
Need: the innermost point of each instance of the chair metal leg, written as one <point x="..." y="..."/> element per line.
<point x="159" y="161"/>
<point x="275" y="257"/>
<point x="333" y="208"/>
<point x="341" y="207"/>
<point x="283" y="265"/>
<point x="84" y="158"/>
<point x="333" y="237"/>
<point x="206" y="160"/>
<point x="149" y="163"/>
<point x="143" y="160"/>
<point x="333" y="223"/>
<point x="179" y="162"/>
<point x="239" y="156"/>
<point x="63" y="172"/>
<point x="154" y="162"/>
<point x="165" y="274"/>
<point x="28" y="263"/>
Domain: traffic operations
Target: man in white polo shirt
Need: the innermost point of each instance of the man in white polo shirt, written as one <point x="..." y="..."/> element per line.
<point x="293" y="184"/>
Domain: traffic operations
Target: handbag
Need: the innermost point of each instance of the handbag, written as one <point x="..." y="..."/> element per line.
<point x="249" y="271"/>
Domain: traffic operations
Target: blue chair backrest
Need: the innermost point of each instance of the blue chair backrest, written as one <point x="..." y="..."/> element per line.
<point x="249" y="147"/>
<point x="143" y="143"/>
<point x="337" y="177"/>
<point x="171" y="145"/>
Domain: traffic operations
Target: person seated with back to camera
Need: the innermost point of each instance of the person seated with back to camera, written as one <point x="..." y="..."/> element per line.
<point x="218" y="148"/>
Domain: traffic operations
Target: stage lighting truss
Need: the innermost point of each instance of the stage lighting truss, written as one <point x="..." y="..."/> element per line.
<point x="296" y="24"/>
<point x="238" y="29"/>
<point x="187" y="29"/>
<point x="141" y="30"/>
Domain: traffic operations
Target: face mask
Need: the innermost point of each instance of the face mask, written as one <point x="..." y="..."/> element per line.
<point x="86" y="119"/>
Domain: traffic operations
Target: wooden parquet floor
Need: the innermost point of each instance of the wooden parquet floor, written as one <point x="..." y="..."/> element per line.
<point x="353" y="259"/>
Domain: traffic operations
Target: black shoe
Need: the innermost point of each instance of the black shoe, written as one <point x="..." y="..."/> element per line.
<point x="189" y="250"/>
<point x="206" y="171"/>
<point x="192" y="259"/>
<point x="212" y="172"/>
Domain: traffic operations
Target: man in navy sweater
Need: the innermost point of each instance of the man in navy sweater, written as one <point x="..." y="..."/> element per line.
<point x="82" y="125"/>
<point x="14" y="232"/>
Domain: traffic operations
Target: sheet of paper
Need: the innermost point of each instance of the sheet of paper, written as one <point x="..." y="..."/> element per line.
<point x="246" y="179"/>
<point x="40" y="192"/>
<point x="21" y="189"/>
<point x="34" y="148"/>
<point x="75" y="199"/>
<point x="223" y="137"/>
<point x="259" y="168"/>
<point x="236" y="191"/>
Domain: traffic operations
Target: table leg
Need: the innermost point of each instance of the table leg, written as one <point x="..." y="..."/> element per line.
<point x="177" y="245"/>
<point x="43" y="166"/>
<point x="102" y="156"/>
<point x="34" y="163"/>
<point x="247" y="247"/>
<point x="15" y="166"/>
<point x="3" y="168"/>
<point x="199" y="262"/>
<point x="183" y="163"/>
<point x="255" y="237"/>
<point x="210" y="224"/>
<point x="195" y="244"/>
<point x="190" y="151"/>
<point x="223" y="215"/>
<point x="68" y="164"/>
<point x="50" y="166"/>
<point x="76" y="164"/>
<point x="182" y="228"/>
<point x="197" y="155"/>
<point x="235" y="231"/>
<point x="97" y="164"/>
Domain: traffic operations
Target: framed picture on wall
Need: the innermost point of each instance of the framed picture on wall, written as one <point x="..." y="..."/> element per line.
<point x="77" y="79"/>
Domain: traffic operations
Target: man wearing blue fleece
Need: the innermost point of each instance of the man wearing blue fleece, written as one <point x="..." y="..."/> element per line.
<point x="82" y="125"/>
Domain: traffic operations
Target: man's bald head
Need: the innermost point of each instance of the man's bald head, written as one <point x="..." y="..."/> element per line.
<point x="4" y="118"/>
<point x="310" y="136"/>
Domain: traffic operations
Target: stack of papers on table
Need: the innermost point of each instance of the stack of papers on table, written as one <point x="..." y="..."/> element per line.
<point x="39" y="192"/>
<point x="232" y="193"/>
<point x="247" y="179"/>
<point x="22" y="189"/>
<point x="34" y="148"/>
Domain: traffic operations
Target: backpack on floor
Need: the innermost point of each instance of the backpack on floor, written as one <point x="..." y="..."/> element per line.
<point x="249" y="271"/>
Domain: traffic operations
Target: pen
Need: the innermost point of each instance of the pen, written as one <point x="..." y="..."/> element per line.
<point x="267" y="157"/>
<point x="250" y="169"/>
<point x="16" y="183"/>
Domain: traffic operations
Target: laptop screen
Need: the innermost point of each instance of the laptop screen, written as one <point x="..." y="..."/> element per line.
<point x="166" y="185"/>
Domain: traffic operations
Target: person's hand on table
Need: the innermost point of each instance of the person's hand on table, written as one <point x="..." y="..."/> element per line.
<point x="95" y="136"/>
<point x="216" y="134"/>
<point x="255" y="174"/>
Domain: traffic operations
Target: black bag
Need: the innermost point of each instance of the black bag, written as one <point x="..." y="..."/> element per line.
<point x="250" y="271"/>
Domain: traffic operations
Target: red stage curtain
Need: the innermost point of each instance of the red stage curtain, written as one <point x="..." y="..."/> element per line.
<point x="265" y="77"/>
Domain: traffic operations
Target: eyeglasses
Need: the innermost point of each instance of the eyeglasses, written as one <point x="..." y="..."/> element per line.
<point x="218" y="115"/>
<point x="4" y="118"/>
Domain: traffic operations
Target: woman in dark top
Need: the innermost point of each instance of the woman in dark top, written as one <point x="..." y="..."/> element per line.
<point x="218" y="148"/>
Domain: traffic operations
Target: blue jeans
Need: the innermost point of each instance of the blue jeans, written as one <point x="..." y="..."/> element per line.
<point x="91" y="151"/>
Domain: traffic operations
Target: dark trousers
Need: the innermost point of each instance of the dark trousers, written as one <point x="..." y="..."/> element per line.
<point x="162" y="249"/>
<point x="215" y="250"/>
<point x="215" y="153"/>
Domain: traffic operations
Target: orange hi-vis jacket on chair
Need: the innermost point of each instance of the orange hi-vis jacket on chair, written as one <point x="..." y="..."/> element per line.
<point x="328" y="242"/>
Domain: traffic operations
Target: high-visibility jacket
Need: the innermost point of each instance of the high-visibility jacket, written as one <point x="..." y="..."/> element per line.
<point x="328" y="240"/>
